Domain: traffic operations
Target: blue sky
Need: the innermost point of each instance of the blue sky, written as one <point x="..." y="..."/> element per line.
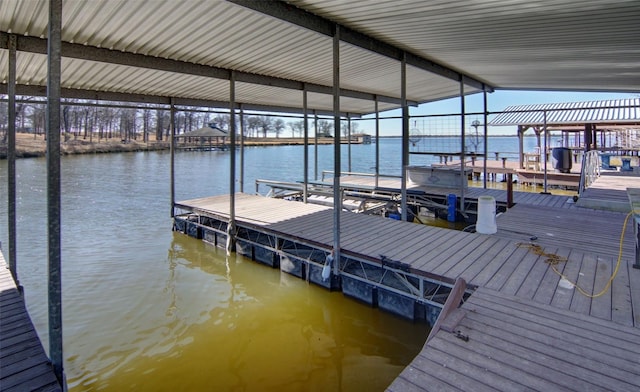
<point x="496" y="101"/>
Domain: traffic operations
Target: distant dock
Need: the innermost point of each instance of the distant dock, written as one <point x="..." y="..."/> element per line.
<point x="530" y="174"/>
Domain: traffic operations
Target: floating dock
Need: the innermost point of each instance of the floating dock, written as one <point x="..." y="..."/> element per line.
<point x="410" y="269"/>
<point x="24" y="366"/>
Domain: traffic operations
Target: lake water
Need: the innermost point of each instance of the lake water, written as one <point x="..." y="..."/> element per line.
<point x="147" y="309"/>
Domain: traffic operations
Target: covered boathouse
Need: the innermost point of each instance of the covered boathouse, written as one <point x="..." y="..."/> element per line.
<point x="611" y="126"/>
<point x="348" y="59"/>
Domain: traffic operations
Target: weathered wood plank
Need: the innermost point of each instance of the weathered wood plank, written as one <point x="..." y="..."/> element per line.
<point x="594" y="231"/>
<point x="532" y="281"/>
<point x="557" y="360"/>
<point x="582" y="322"/>
<point x="521" y="273"/>
<point x="23" y="362"/>
<point x="479" y="250"/>
<point x="601" y="305"/>
<point x="40" y="377"/>
<point x="403" y="384"/>
<point x="438" y="248"/>
<point x="634" y="288"/>
<point x="498" y="280"/>
<point x="429" y="375"/>
<point x="470" y="358"/>
<point x="452" y="257"/>
<point x="482" y="270"/>
<point x="554" y="341"/>
<point x="586" y="279"/>
<point x="520" y="359"/>
<point x="480" y="256"/>
<point x="548" y="285"/>
<point x="454" y="370"/>
<point x="621" y="301"/>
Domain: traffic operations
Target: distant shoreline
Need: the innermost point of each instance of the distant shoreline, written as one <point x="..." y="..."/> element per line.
<point x="30" y="146"/>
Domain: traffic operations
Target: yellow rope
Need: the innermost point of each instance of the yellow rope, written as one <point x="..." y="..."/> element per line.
<point x="553" y="259"/>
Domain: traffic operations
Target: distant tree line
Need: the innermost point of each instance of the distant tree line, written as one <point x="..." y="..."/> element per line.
<point x="90" y="122"/>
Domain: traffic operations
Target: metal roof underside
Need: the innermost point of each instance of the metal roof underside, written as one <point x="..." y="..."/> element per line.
<point x="612" y="112"/>
<point x="155" y="49"/>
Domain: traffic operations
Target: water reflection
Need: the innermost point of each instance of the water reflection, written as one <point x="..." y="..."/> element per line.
<point x="229" y="323"/>
<point x="147" y="309"/>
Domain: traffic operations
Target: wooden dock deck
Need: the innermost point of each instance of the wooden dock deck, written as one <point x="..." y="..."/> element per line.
<point x="609" y="191"/>
<point x="506" y="343"/>
<point x="494" y="261"/>
<point x="527" y="326"/>
<point x="24" y="366"/>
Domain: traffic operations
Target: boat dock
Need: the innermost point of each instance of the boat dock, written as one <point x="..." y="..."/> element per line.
<point x="529" y="174"/>
<point x="24" y="366"/>
<point x="510" y="285"/>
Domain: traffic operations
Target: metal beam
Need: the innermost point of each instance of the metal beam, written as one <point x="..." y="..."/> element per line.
<point x="300" y="17"/>
<point x="54" y="72"/>
<point x="103" y="55"/>
<point x="67" y="93"/>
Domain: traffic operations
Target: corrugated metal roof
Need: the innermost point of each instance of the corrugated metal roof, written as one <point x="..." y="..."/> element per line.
<point x="621" y="111"/>
<point x="547" y="44"/>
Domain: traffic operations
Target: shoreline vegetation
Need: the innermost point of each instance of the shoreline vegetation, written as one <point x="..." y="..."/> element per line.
<point x="30" y="146"/>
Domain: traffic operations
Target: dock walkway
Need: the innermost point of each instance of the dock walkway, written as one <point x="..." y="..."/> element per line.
<point x="513" y="286"/>
<point x="24" y="366"/>
<point x="506" y="343"/>
<point x="609" y="191"/>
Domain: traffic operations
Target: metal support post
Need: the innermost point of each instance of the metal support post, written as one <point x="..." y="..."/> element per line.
<point x="544" y="152"/>
<point x="172" y="153"/>
<point x="462" y="143"/>
<point x="405" y="136"/>
<point x="241" y="135"/>
<point x="315" y="145"/>
<point x="11" y="161"/>
<point x="486" y="139"/>
<point x="349" y="140"/>
<point x="636" y="232"/>
<point x="377" y="141"/>
<point x="337" y="198"/>
<point x="232" y="165"/>
<point x="54" y="71"/>
<point x="306" y="145"/>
